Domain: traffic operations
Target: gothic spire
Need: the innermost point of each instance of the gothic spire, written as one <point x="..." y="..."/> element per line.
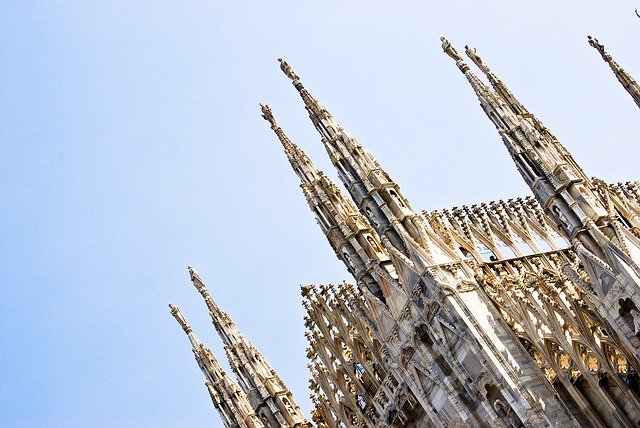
<point x="232" y="403"/>
<point x="496" y="83"/>
<point x="267" y="393"/>
<point x="224" y="325"/>
<point x="544" y="164"/>
<point x="299" y="161"/>
<point x="350" y="236"/>
<point x="517" y="108"/>
<point x="625" y="78"/>
<point x="571" y="199"/>
<point x="377" y="196"/>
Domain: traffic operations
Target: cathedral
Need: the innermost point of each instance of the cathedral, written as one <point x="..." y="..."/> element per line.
<point x="512" y="313"/>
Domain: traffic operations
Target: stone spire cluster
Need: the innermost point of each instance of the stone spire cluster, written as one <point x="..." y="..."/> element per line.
<point x="605" y="239"/>
<point x="511" y="313"/>
<point x="260" y="398"/>
<point x="230" y="401"/>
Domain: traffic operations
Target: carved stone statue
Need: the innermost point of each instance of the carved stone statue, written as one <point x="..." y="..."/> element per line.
<point x="371" y="217"/>
<point x="599" y="46"/>
<point x="348" y="259"/>
<point x="284" y="65"/>
<point x="473" y="56"/>
<point x="450" y="50"/>
<point x="267" y="114"/>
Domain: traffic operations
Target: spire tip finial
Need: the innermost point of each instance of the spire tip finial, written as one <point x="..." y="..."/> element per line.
<point x="475" y="58"/>
<point x="267" y="114"/>
<point x="448" y="48"/>
<point x="175" y="311"/>
<point x="195" y="278"/>
<point x="288" y="70"/>
<point x="596" y="44"/>
<point x="305" y="289"/>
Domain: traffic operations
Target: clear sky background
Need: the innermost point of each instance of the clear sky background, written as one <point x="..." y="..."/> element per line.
<point x="131" y="145"/>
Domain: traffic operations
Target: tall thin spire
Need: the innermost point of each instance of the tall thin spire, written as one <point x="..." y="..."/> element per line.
<point x="498" y="85"/>
<point x="350" y="236"/>
<point x="555" y="178"/>
<point x="268" y="395"/>
<point x="521" y="111"/>
<point x="299" y="161"/>
<point x="227" y="397"/>
<point x="224" y="325"/>
<point x="625" y="78"/>
<point x="377" y="196"/>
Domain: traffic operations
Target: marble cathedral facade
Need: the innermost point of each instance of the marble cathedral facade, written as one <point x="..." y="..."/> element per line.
<point x="519" y="312"/>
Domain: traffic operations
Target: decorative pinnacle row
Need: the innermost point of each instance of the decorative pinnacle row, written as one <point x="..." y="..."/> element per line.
<point x="625" y="78"/>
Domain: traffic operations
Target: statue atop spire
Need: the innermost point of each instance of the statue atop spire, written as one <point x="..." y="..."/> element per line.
<point x="227" y="397"/>
<point x="299" y="161"/>
<point x="288" y="70"/>
<point x="448" y="48"/>
<point x="378" y="198"/>
<point x="175" y="311"/>
<point x="543" y="162"/>
<point x="258" y="379"/>
<point x="339" y="219"/>
<point x="268" y="115"/>
<point x="473" y="56"/>
<point x="599" y="47"/>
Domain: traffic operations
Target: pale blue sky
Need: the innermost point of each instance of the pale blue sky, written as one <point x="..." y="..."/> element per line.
<point x="131" y="145"/>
